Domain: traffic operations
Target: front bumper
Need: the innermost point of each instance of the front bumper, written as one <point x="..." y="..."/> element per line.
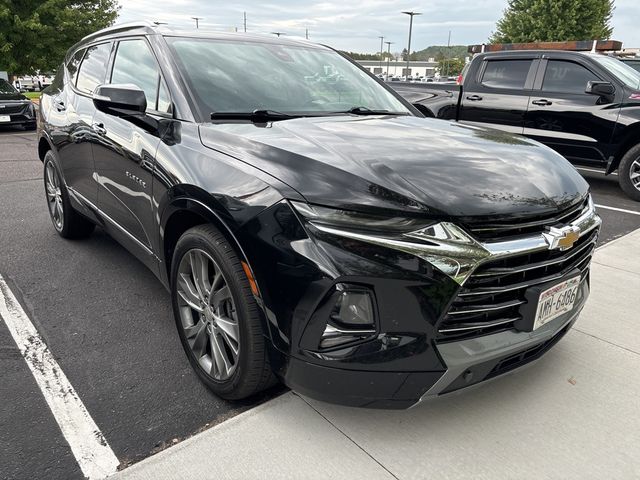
<point x="469" y="362"/>
<point x="19" y="114"/>
<point x="408" y="358"/>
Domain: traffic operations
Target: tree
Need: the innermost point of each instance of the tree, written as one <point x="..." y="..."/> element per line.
<point x="554" y="21"/>
<point x="405" y="54"/>
<point x="450" y="67"/>
<point x="35" y="34"/>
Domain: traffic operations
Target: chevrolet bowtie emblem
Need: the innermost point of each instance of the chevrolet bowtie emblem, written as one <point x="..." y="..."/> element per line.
<point x="562" y="238"/>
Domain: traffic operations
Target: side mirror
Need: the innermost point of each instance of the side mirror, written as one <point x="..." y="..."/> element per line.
<point x="120" y="100"/>
<point x="602" y="89"/>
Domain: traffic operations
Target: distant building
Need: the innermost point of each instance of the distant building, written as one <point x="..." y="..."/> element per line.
<point x="629" y="52"/>
<point x="398" y="68"/>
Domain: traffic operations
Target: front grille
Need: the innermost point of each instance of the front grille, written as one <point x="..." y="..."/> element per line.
<point x="491" y="230"/>
<point x="491" y="297"/>
<point x="10" y="109"/>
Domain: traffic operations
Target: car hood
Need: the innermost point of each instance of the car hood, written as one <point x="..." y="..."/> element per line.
<point x="404" y="163"/>
<point x="4" y="97"/>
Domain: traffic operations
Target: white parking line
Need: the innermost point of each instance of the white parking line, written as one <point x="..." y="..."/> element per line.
<point x="623" y="210"/>
<point x="90" y="448"/>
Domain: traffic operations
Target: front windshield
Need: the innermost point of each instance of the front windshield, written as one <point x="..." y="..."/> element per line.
<point x="622" y="71"/>
<point x="243" y="76"/>
<point x="6" y="87"/>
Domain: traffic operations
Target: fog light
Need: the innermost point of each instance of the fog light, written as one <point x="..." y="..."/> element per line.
<point x="353" y="307"/>
<point x="351" y="318"/>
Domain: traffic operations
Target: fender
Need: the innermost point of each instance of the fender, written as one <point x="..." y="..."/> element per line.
<point x="630" y="139"/>
<point x="187" y="198"/>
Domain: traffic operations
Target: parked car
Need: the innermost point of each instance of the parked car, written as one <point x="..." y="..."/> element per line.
<point x="585" y="106"/>
<point x="28" y="83"/>
<point x="44" y="80"/>
<point x="15" y="108"/>
<point x="327" y="235"/>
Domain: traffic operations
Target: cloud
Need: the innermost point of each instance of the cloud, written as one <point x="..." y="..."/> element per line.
<point x="357" y="24"/>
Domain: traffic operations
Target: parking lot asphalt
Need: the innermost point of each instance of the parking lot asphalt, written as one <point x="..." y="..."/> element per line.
<point x="108" y="323"/>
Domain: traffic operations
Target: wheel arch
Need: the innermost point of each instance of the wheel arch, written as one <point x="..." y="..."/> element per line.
<point x="187" y="207"/>
<point x="44" y="145"/>
<point x="630" y="140"/>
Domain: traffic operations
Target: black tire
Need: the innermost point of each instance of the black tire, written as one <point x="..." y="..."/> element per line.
<point x="73" y="224"/>
<point x="629" y="165"/>
<point x="252" y="372"/>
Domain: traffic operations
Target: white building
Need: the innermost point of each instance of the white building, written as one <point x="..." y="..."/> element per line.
<point x="397" y="68"/>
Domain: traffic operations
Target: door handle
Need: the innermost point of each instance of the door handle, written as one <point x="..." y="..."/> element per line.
<point x="474" y="98"/>
<point x="59" y="105"/>
<point x="542" y="102"/>
<point x="99" y="128"/>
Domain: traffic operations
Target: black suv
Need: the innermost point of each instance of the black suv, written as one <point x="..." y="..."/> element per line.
<point x="309" y="223"/>
<point x="584" y="105"/>
<point x="15" y="108"/>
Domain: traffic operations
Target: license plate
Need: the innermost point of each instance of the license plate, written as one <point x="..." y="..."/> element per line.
<point x="5" y="118"/>
<point x="556" y="300"/>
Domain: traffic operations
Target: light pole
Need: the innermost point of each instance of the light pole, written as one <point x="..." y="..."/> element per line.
<point x="411" y="15"/>
<point x="381" y="51"/>
<point x="448" y="52"/>
<point x="197" y="19"/>
<point x="278" y="33"/>
<point x="388" y="57"/>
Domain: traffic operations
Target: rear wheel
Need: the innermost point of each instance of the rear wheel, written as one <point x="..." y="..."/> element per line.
<point x="67" y="222"/>
<point x="629" y="173"/>
<point x="217" y="317"/>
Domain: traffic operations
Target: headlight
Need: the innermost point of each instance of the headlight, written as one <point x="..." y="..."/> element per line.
<point x="445" y="245"/>
<point x="358" y="221"/>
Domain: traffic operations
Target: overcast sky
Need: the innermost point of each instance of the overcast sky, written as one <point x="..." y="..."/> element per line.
<point x="355" y="25"/>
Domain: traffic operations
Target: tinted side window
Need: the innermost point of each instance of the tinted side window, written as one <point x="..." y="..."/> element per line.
<point x="74" y="63"/>
<point x="93" y="68"/>
<point x="566" y="77"/>
<point x="136" y="64"/>
<point x="506" y="73"/>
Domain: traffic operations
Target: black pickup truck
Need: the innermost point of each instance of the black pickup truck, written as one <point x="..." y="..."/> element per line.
<point x="586" y="106"/>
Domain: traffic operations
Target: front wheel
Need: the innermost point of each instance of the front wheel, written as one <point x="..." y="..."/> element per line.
<point x="629" y="173"/>
<point x="217" y="317"/>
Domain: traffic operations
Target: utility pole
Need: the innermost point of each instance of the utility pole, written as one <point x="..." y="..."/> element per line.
<point x="381" y="51"/>
<point x="306" y="33"/>
<point x="197" y="19"/>
<point x="411" y="15"/>
<point x="245" y="21"/>
<point x="448" y="53"/>
<point x="388" y="57"/>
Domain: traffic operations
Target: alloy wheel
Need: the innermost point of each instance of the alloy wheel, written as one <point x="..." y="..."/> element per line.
<point x="634" y="174"/>
<point x="208" y="314"/>
<point x="54" y="196"/>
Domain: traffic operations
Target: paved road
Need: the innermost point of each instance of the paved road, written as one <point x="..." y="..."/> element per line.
<point x="108" y="322"/>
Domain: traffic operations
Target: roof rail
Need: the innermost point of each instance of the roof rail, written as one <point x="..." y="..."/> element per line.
<point x="583" y="45"/>
<point x="122" y="27"/>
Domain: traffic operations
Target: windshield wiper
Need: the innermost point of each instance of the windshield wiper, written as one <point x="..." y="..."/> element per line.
<point x="370" y="111"/>
<point x="257" y="116"/>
